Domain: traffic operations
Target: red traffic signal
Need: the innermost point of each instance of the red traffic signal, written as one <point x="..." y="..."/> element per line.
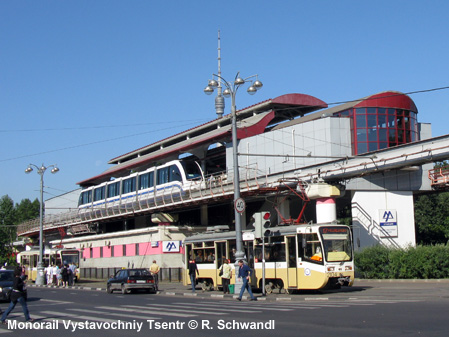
<point x="266" y="215"/>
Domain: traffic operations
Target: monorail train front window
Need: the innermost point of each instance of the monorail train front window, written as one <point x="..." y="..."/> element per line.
<point x="337" y="243"/>
<point x="192" y="170"/>
<point x="85" y="197"/>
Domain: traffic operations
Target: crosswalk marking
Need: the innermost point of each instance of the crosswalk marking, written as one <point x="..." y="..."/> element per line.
<point x="195" y="308"/>
<point x="218" y="305"/>
<point x="264" y="306"/>
<point x="77" y="317"/>
<point x="114" y="314"/>
<point x="150" y="312"/>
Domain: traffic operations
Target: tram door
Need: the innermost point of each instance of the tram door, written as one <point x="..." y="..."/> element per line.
<point x="292" y="270"/>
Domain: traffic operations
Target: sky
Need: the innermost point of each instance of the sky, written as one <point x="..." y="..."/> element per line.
<point x="82" y="82"/>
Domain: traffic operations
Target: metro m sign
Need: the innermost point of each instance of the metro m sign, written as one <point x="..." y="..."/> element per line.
<point x="171" y="246"/>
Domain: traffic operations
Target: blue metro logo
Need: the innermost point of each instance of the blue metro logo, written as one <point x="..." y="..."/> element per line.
<point x="387" y="216"/>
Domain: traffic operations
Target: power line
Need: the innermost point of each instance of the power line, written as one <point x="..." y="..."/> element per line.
<point x="102" y="126"/>
<point x="88" y="144"/>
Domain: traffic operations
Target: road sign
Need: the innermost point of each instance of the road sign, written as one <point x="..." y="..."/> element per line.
<point x="240" y="205"/>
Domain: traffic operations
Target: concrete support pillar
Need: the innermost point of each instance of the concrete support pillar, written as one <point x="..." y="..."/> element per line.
<point x="326" y="210"/>
<point x="204" y="215"/>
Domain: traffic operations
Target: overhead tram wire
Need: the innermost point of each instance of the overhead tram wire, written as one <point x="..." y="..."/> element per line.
<point x="92" y="143"/>
<point x="103" y="126"/>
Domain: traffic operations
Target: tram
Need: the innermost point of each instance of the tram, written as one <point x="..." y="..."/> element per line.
<point x="156" y="184"/>
<point x="30" y="258"/>
<point x="311" y="256"/>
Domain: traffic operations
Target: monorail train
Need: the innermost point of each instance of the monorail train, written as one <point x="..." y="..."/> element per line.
<point x="168" y="182"/>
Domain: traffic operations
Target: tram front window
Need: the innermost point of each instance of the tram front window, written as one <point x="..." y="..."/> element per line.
<point x="337" y="244"/>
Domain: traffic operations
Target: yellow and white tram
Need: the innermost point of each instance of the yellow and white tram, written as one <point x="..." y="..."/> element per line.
<point x="30" y="258"/>
<point x="311" y="256"/>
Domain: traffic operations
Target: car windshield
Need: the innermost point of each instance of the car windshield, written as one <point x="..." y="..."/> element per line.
<point x="6" y="277"/>
<point x="142" y="272"/>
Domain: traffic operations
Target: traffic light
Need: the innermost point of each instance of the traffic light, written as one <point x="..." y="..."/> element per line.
<point x="261" y="223"/>
<point x="266" y="223"/>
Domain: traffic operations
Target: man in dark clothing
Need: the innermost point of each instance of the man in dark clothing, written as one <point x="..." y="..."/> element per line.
<point x="245" y="273"/>
<point x="18" y="294"/>
<point x="193" y="271"/>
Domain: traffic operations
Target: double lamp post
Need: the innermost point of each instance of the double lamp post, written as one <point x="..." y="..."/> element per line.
<point x="40" y="277"/>
<point x="231" y="91"/>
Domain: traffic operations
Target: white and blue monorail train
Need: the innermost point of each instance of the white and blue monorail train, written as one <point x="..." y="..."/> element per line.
<point x="169" y="182"/>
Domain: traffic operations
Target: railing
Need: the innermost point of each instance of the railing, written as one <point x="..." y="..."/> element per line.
<point x="213" y="186"/>
<point x="439" y="177"/>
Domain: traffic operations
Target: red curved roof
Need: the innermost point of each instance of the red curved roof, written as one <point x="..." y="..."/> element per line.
<point x="300" y="100"/>
<point x="388" y="99"/>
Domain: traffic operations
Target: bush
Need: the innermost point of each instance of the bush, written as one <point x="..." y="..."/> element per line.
<point x="420" y="262"/>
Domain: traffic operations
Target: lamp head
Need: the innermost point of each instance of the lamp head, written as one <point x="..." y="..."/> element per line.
<point x="239" y="81"/>
<point x="213" y="83"/>
<point x="29" y="169"/>
<point x="257" y="84"/>
<point x="252" y="90"/>
<point x="208" y="90"/>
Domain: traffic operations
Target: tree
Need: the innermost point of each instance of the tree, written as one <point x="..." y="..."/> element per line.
<point x="7" y="228"/>
<point x="432" y="218"/>
<point x="27" y="210"/>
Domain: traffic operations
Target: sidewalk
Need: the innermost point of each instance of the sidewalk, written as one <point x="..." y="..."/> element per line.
<point x="361" y="287"/>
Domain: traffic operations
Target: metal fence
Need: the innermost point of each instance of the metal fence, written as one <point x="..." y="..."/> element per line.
<point x="165" y="274"/>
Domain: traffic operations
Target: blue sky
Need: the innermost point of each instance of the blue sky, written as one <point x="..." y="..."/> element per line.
<point x="82" y="82"/>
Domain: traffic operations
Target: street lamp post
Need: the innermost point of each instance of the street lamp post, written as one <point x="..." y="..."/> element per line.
<point x="230" y="91"/>
<point x="40" y="277"/>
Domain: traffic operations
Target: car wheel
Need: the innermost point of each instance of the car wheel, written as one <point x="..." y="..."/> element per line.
<point x="124" y="291"/>
<point x="109" y="289"/>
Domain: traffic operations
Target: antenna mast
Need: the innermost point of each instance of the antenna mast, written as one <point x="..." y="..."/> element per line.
<point x="219" y="100"/>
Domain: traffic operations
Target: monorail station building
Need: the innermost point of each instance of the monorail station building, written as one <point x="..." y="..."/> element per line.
<point x="298" y="158"/>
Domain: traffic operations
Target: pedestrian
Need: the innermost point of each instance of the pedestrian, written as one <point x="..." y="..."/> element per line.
<point x="55" y="274"/>
<point x="49" y="274"/>
<point x="226" y="274"/>
<point x="65" y="275"/>
<point x="193" y="271"/>
<point x="72" y="273"/>
<point x="18" y="294"/>
<point x="244" y="274"/>
<point x="154" y="269"/>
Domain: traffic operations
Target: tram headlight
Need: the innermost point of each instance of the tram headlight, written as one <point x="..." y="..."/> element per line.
<point x="348" y="267"/>
<point x="330" y="268"/>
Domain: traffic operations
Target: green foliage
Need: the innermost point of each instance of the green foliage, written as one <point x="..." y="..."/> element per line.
<point x="10" y="216"/>
<point x="432" y="218"/>
<point x="7" y="228"/>
<point x="421" y="262"/>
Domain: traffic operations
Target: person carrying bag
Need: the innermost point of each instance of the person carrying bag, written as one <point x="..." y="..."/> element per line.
<point x="18" y="294"/>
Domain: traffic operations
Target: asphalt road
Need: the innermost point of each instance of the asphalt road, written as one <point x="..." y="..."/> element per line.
<point x="368" y="309"/>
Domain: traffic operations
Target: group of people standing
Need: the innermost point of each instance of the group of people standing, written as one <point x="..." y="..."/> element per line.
<point x="244" y="274"/>
<point x="64" y="276"/>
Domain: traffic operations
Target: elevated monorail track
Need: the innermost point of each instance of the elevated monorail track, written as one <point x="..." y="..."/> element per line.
<point x="219" y="187"/>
